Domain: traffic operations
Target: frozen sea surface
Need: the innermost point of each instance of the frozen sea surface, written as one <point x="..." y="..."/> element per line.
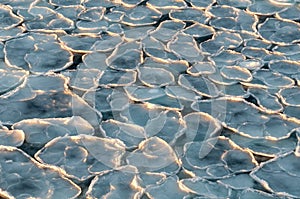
<point x="145" y="99"/>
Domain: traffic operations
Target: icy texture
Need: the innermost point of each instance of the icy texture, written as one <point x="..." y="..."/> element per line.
<point x="141" y="99"/>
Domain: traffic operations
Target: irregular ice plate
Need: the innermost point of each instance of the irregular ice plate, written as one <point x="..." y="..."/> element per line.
<point x="11" y="137"/>
<point x="39" y="53"/>
<point x="205" y="188"/>
<point x="120" y="183"/>
<point x="82" y="156"/>
<point x="8" y="19"/>
<point x="154" y="155"/>
<point x="155" y="78"/>
<point x="44" y="99"/>
<point x="167" y="4"/>
<point x="24" y="177"/>
<point x="280" y="31"/>
<point x="130" y="134"/>
<point x="189" y="14"/>
<point x="200" y="85"/>
<point x="290" y="96"/>
<point x="41" y="131"/>
<point x="286" y="169"/>
<point x="168" y="188"/>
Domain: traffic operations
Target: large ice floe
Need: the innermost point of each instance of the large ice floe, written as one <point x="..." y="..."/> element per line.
<point x="149" y="99"/>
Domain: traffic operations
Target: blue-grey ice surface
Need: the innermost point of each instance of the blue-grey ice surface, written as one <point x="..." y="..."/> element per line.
<point x="149" y="99"/>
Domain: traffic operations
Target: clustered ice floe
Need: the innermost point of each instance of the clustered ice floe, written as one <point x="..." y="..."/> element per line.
<point x="149" y="99"/>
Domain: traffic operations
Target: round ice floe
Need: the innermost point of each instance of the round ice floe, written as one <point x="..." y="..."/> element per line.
<point x="201" y="68"/>
<point x="280" y="31"/>
<point x="107" y="43"/>
<point x="7" y="18"/>
<point x="186" y="48"/>
<point x="285" y="67"/>
<point x="114" y="16"/>
<point x="251" y="64"/>
<point x="24" y="177"/>
<point x="141" y="16"/>
<point x="200" y="31"/>
<point x="255" y="53"/>
<point x="236" y="73"/>
<point x="82" y="156"/>
<point x="189" y="14"/>
<point x="290" y="96"/>
<point x="200" y="85"/>
<point x="154" y="154"/>
<point x="137" y="33"/>
<point x="78" y="43"/>
<point x="155" y="77"/>
<point x="223" y="11"/>
<point x="239" y="160"/>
